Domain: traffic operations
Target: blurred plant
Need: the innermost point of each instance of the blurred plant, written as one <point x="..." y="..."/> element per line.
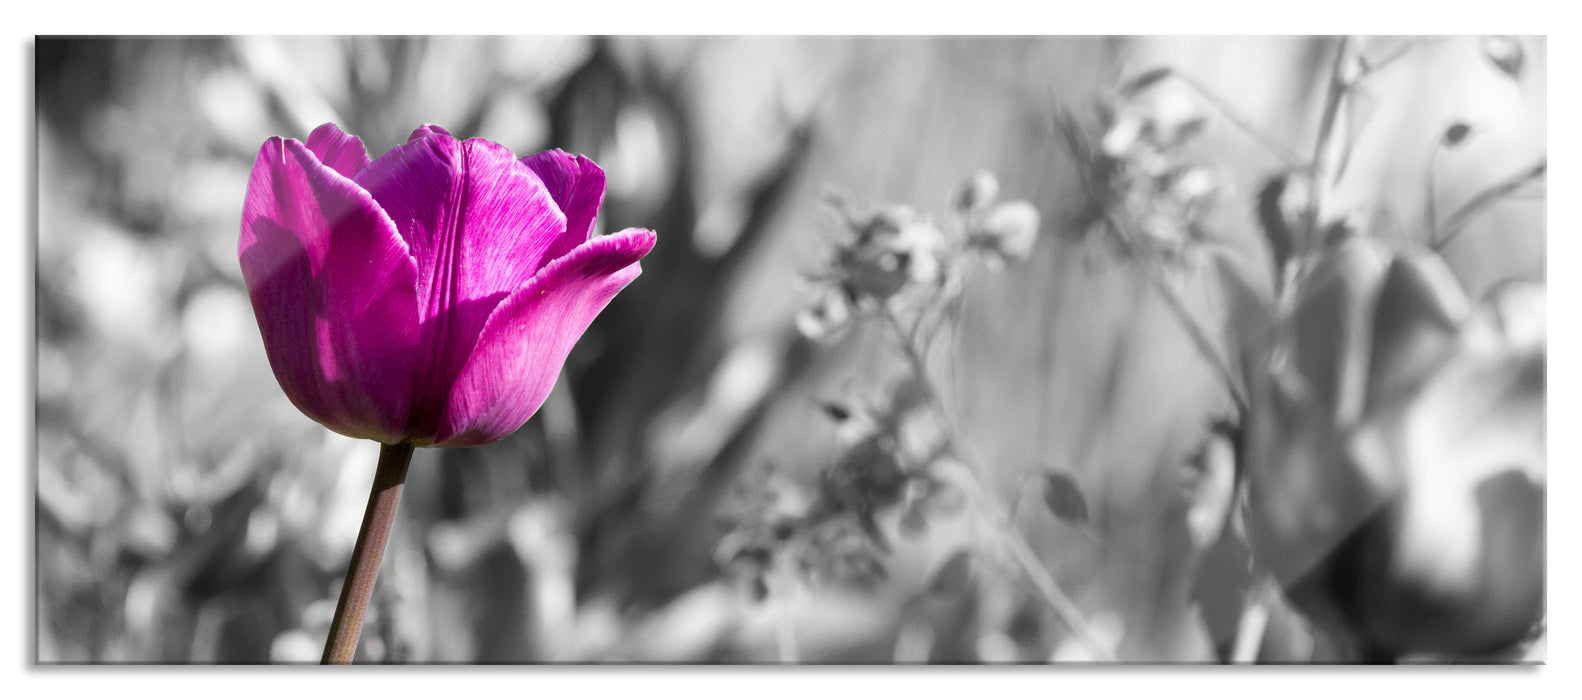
<point x="1145" y="196"/>
<point x="1357" y="375"/>
<point x="901" y="455"/>
<point x="900" y="265"/>
<point x="1396" y="460"/>
<point x="585" y="534"/>
<point x="395" y="311"/>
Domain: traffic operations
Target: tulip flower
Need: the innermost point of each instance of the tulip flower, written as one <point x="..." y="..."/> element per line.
<point x="1396" y="462"/>
<point x="427" y="297"/>
<point x="430" y="296"/>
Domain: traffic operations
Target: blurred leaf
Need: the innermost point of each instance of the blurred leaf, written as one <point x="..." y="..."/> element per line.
<point x="953" y="576"/>
<point x="914" y="521"/>
<point x="909" y="393"/>
<point x="1146" y="79"/>
<point x="1275" y="221"/>
<point x="1212" y="489"/>
<point x="1222" y="586"/>
<point x="1250" y="312"/>
<point x="945" y="498"/>
<point x="1506" y="53"/>
<point x="1415" y="317"/>
<point x="1064" y="497"/>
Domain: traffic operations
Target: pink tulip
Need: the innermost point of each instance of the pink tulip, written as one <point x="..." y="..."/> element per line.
<point x="430" y="296"/>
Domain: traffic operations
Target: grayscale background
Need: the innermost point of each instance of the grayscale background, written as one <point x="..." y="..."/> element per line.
<point x="187" y="513"/>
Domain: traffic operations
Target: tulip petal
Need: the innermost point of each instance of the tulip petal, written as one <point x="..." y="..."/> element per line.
<point x="577" y="184"/>
<point x="334" y="289"/>
<point x="339" y="150"/>
<point x="426" y="130"/>
<point x="528" y="337"/>
<point x="479" y="223"/>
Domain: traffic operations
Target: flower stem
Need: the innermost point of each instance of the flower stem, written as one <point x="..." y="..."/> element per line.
<point x="389" y="477"/>
<point x="1042" y="580"/>
<point x="1154" y="273"/>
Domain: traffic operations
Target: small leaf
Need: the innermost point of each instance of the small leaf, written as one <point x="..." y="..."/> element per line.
<point x="914" y="522"/>
<point x="836" y="411"/>
<point x="1506" y="53"/>
<point x="1456" y="134"/>
<point x="1146" y="79"/>
<point x="1276" y="226"/>
<point x="1222" y="586"/>
<point x="1064" y="497"/>
<point x="945" y="498"/>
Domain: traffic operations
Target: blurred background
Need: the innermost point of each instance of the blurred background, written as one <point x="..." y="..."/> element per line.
<point x="689" y="492"/>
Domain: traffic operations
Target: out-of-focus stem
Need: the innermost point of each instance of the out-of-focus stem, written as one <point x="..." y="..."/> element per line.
<point x="1334" y="95"/>
<point x="1287" y="157"/>
<point x="389" y="477"/>
<point x="1062" y="604"/>
<point x="1461" y="217"/>
<point x="1153" y="270"/>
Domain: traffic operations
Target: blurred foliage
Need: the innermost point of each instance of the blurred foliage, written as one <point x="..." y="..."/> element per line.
<point x="797" y="437"/>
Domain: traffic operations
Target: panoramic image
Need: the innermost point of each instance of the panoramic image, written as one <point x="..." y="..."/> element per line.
<point x="788" y="350"/>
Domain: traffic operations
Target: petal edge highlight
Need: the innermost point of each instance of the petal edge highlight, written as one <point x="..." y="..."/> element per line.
<point x="577" y="185"/>
<point x="333" y="288"/>
<point x="527" y="338"/>
<point x="339" y="150"/>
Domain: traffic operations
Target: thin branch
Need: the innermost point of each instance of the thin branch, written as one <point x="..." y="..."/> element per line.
<point x="1062" y="604"/>
<point x="1287" y="157"/>
<point x="1370" y="68"/>
<point x="1461" y="217"/>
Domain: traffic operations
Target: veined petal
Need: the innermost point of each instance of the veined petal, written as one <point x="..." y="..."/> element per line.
<point x="577" y="185"/>
<point x="426" y="130"/>
<point x="334" y="289"/>
<point x="339" y="150"/>
<point x="478" y="223"/>
<point x="528" y="337"/>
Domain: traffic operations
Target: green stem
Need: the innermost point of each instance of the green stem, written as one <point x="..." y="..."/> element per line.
<point x="389" y="477"/>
